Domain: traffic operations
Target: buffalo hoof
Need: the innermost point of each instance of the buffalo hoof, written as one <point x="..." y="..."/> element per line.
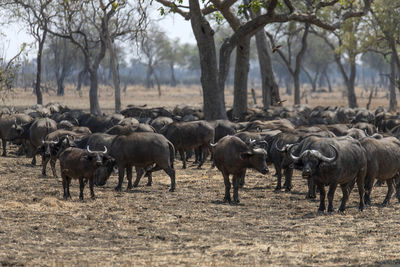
<point x="148" y="184"/>
<point x="93" y="197"/>
<point x="288" y="189"/>
<point x="385" y="204"/>
<point x="235" y="202"/>
<point x="309" y="196"/>
<point x="135" y="185"/>
<point x="321" y="212"/>
<point x="4" y="155"/>
<point x="172" y="190"/>
<point x="118" y="189"/>
<point x="277" y="189"/>
<point x="227" y="200"/>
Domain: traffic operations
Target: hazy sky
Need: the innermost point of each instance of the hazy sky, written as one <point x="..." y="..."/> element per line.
<point x="174" y="25"/>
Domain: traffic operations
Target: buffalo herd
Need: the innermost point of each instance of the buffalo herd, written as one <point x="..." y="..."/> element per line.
<point x="330" y="146"/>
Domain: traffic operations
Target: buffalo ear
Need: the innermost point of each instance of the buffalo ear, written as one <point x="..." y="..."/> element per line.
<point x="246" y="155"/>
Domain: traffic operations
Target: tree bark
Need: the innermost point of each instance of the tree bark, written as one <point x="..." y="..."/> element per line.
<point x="299" y="59"/>
<point x="393" y="100"/>
<point x="38" y="91"/>
<point x="328" y="81"/>
<point x="213" y="94"/>
<point x="173" y="79"/>
<point x="81" y="75"/>
<point x="149" y="72"/>
<point x="270" y="89"/>
<point x="93" y="93"/>
<point x="240" y="80"/>
<point x="351" y="95"/>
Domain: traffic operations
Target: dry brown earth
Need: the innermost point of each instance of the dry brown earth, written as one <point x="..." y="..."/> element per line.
<point x="151" y="226"/>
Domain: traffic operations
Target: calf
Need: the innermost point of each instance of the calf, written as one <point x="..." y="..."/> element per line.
<point x="233" y="156"/>
<point x="80" y="164"/>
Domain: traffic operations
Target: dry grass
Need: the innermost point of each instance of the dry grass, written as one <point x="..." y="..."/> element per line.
<point x="172" y="96"/>
<point x="151" y="226"/>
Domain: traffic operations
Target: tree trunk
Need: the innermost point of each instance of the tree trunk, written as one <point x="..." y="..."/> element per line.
<point x="328" y="81"/>
<point x="93" y="93"/>
<point x="38" y="91"/>
<point x="81" y="75"/>
<point x="393" y="100"/>
<point x="270" y="89"/>
<point x="115" y="75"/>
<point x="299" y="59"/>
<point x="149" y="72"/>
<point x="240" y="80"/>
<point x="213" y="95"/>
<point x="351" y="95"/>
<point x="173" y="79"/>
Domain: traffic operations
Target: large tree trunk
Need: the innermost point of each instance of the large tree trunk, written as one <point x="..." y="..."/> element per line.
<point x="299" y="59"/>
<point x="60" y="77"/>
<point x="213" y="95"/>
<point x="270" y="89"/>
<point x="115" y="76"/>
<point x="393" y="100"/>
<point x="38" y="91"/>
<point x="240" y="80"/>
<point x="351" y="95"/>
<point x="93" y="93"/>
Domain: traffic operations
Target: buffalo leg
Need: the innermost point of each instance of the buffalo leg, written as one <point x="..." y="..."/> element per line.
<point x="389" y="183"/>
<point x="53" y="167"/>
<point x="139" y="174"/>
<point x="369" y="181"/>
<point x="397" y="184"/>
<point x="345" y="191"/>
<point x="361" y="191"/>
<point x="203" y="153"/>
<point x="81" y="187"/>
<point x="182" y="154"/>
<point x="278" y="171"/>
<point x="65" y="186"/>
<point x="149" y="178"/>
<point x="236" y="179"/>
<point x="331" y="194"/>
<point x="129" y="177"/>
<point x="227" y="183"/>
<point x="322" y="195"/>
<point x="68" y="184"/>
<point x="121" y="174"/>
<point x="44" y="164"/>
<point x="91" y="183"/>
<point x="288" y="179"/>
<point x="171" y="174"/>
<point x="4" y="143"/>
<point x="34" y="160"/>
<point x="311" y="189"/>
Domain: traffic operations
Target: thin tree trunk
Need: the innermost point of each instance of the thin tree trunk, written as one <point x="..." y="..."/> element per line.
<point x="213" y="95"/>
<point x="299" y="59"/>
<point x="240" y="80"/>
<point x="328" y="81"/>
<point x="393" y="100"/>
<point x="38" y="91"/>
<point x="351" y="95"/>
<point x="149" y="72"/>
<point x="173" y="79"/>
<point x="115" y="75"/>
<point x="81" y="75"/>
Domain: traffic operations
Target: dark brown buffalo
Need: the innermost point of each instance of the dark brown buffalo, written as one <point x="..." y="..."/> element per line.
<point x="51" y="145"/>
<point x="6" y="124"/>
<point x="383" y="164"/>
<point x="159" y="122"/>
<point x="33" y="133"/>
<point x="80" y="164"/>
<point x="141" y="150"/>
<point x="233" y="156"/>
<point x="333" y="162"/>
<point x="190" y="135"/>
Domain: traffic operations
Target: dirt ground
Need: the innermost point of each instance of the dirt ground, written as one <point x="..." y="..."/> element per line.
<point x="151" y="226"/>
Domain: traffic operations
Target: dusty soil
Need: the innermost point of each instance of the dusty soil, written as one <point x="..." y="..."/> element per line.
<point x="151" y="226"/>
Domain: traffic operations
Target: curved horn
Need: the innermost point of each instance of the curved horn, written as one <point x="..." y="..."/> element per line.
<point x="366" y="133"/>
<point x="88" y="149"/>
<point x="105" y="150"/>
<point x="252" y="141"/>
<point x="293" y="157"/>
<point x="282" y="150"/>
<point x="213" y="145"/>
<point x="326" y="159"/>
<point x="56" y="141"/>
